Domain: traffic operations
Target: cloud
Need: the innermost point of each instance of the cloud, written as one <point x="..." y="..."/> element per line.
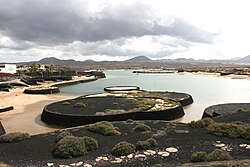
<point x="63" y="21"/>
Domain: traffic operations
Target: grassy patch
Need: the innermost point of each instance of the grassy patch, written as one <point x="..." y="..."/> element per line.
<point x="66" y="103"/>
<point x="62" y="135"/>
<point x="80" y="105"/>
<point x="232" y="130"/>
<point x="147" y="144"/>
<point x="90" y="143"/>
<point x="216" y="155"/>
<point x="142" y="128"/>
<point x="123" y="148"/>
<point x="14" y="137"/>
<point x="104" y="128"/>
<point x="201" y="123"/>
<point x="199" y="156"/>
<point x="70" y="146"/>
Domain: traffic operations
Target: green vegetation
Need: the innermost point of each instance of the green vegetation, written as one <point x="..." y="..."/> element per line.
<point x="142" y="128"/>
<point x="123" y="148"/>
<point x="104" y="128"/>
<point x="108" y="110"/>
<point x="231" y="130"/>
<point x="70" y="146"/>
<point x="216" y="155"/>
<point x="80" y="105"/>
<point x="66" y="103"/>
<point x="201" y="123"/>
<point x="239" y="110"/>
<point x="199" y="156"/>
<point x="90" y="143"/>
<point x="144" y="145"/>
<point x="115" y="103"/>
<point x="14" y="137"/>
<point x="62" y="135"/>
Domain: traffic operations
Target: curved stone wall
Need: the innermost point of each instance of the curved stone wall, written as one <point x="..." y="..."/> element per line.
<point x="121" y="88"/>
<point x="224" y="109"/>
<point x="42" y="91"/>
<point x="57" y="118"/>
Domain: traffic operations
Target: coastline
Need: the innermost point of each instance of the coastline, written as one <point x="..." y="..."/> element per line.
<point x="27" y="108"/>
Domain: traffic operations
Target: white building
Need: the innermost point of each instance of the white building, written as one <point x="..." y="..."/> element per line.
<point x="8" y="68"/>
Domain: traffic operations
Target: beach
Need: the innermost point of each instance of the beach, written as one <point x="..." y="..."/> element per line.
<point x="27" y="108"/>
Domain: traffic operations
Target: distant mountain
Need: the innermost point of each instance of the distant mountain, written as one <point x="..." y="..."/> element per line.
<point x="58" y="62"/>
<point x="139" y="59"/>
<point x="244" y="59"/>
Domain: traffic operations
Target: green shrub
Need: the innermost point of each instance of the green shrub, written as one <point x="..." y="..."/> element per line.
<point x="218" y="155"/>
<point x="105" y="128"/>
<point x="70" y="146"/>
<point x="79" y="105"/>
<point x="152" y="142"/>
<point x="201" y="123"/>
<point x="62" y="135"/>
<point x="90" y="143"/>
<point x="123" y="148"/>
<point x="66" y="103"/>
<point x="115" y="103"/>
<point x="108" y="110"/>
<point x="142" y="128"/>
<point x="14" y="137"/>
<point x="231" y="130"/>
<point x="199" y="156"/>
<point x="144" y="145"/>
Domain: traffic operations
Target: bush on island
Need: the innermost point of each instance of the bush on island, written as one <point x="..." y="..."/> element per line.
<point x="104" y="128"/>
<point x="62" y="135"/>
<point x="201" y="123"/>
<point x="66" y="103"/>
<point x="142" y="128"/>
<point x="79" y="105"/>
<point x="70" y="146"/>
<point x="123" y="148"/>
<point x="14" y="137"/>
<point x="144" y="145"/>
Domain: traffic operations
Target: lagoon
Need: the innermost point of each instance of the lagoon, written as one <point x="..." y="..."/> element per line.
<point x="205" y="90"/>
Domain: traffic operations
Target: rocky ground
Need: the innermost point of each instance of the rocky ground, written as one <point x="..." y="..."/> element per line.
<point x="176" y="143"/>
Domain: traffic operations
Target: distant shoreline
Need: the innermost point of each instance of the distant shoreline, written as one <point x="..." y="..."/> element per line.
<point x="215" y="74"/>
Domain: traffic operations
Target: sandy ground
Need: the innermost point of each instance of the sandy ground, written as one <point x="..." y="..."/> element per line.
<point x="27" y="110"/>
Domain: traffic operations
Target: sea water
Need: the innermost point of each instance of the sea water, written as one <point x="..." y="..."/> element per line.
<point x="205" y="90"/>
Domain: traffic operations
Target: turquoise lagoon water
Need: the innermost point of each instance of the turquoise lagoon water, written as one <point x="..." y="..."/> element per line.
<point x="205" y="90"/>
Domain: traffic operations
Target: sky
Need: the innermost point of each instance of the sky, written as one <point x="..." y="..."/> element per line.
<point x="121" y="29"/>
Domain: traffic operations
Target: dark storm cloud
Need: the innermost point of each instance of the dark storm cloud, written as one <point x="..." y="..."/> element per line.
<point x="63" y="21"/>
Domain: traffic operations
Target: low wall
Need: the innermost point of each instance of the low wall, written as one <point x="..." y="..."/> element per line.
<point x="42" y="91"/>
<point x="55" y="118"/>
<point x="224" y="109"/>
<point x="74" y="82"/>
<point x="4" y="109"/>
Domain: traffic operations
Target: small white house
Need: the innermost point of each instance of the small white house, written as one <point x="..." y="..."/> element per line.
<point x="8" y="68"/>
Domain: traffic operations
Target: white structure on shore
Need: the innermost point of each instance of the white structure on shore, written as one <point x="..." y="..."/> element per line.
<point x="8" y="68"/>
